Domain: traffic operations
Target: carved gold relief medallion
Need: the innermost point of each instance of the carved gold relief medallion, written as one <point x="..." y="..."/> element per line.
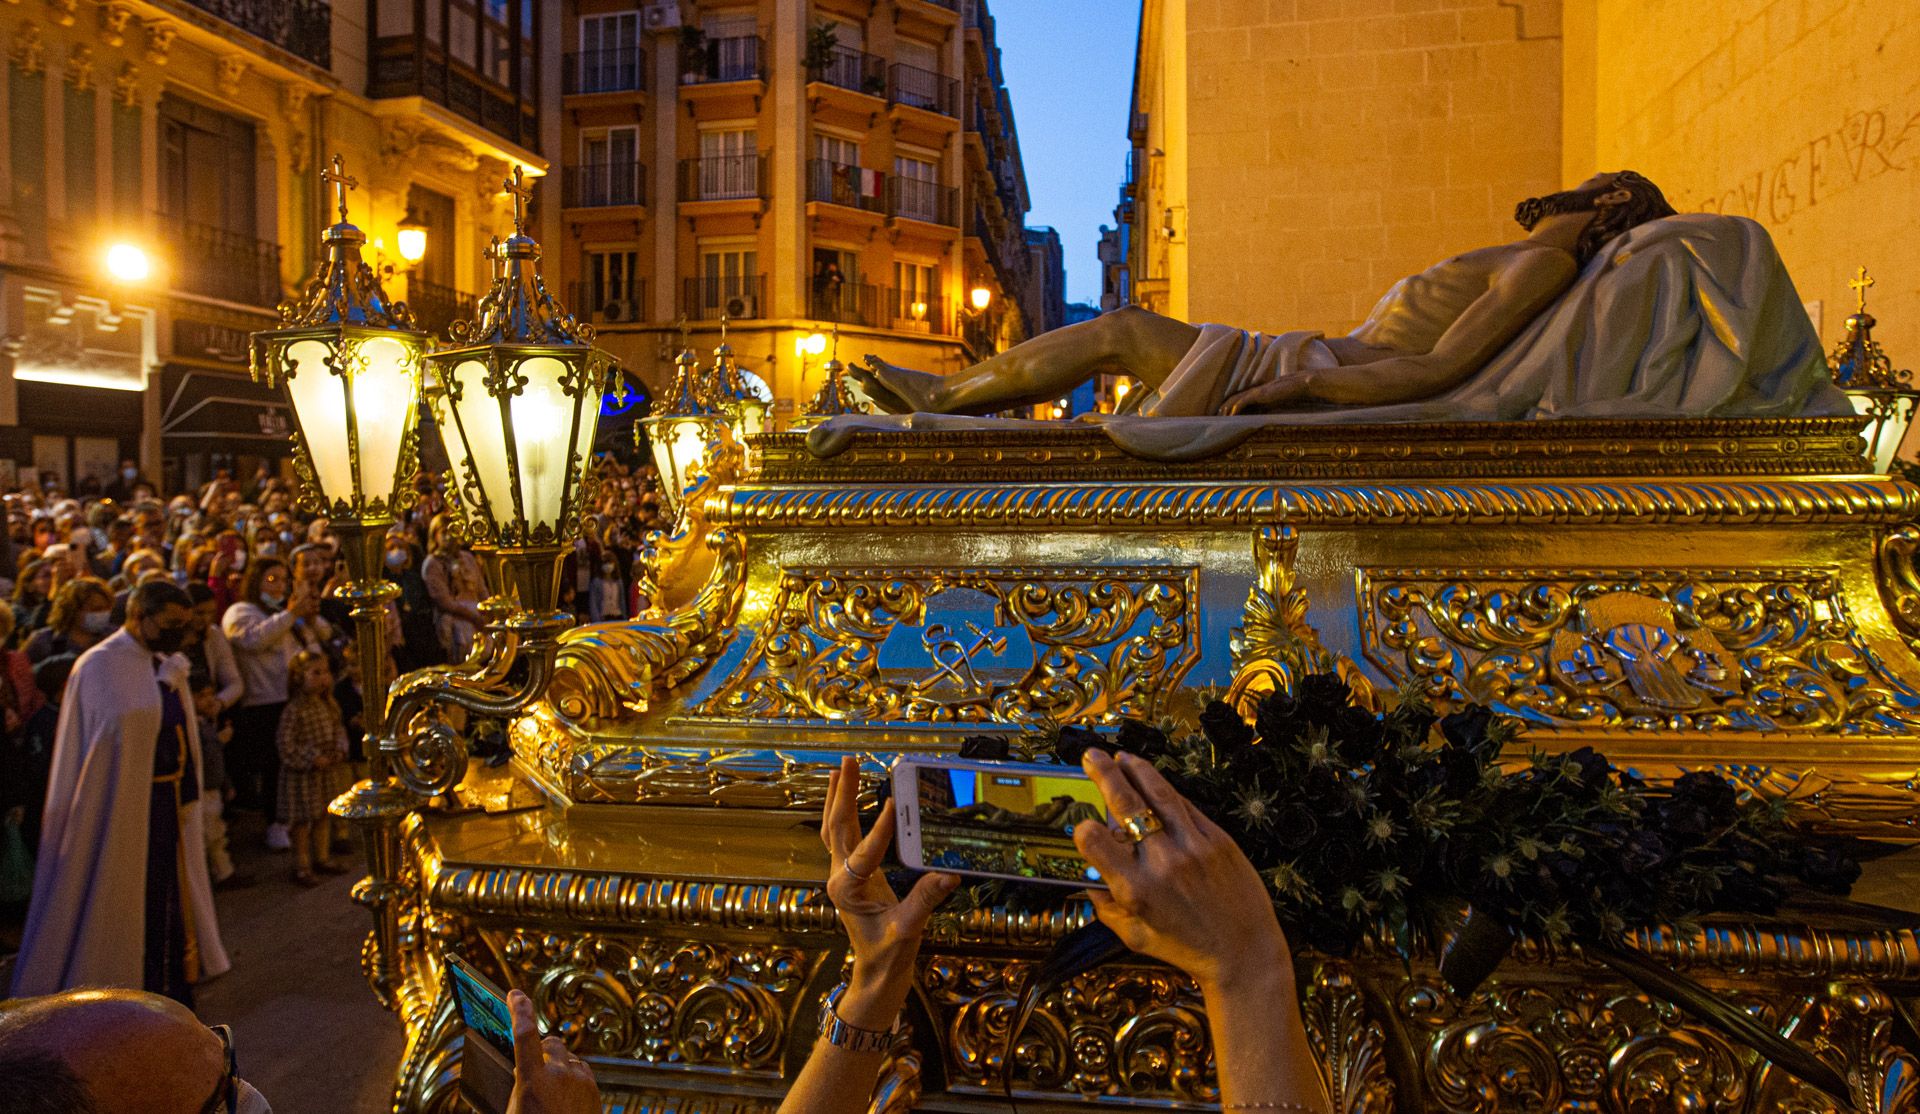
<point x="959" y="645"/>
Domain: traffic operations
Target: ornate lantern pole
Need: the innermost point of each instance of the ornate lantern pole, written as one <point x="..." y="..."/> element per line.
<point x="349" y="361"/>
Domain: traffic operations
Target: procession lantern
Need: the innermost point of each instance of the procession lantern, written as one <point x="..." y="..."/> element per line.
<point x="349" y="361"/>
<point x="1878" y="392"/>
<point x="520" y="393"/>
<point x="736" y="392"/>
<point x="679" y="428"/>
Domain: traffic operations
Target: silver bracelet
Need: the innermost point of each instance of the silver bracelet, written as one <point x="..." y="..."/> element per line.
<point x="1284" y="1104"/>
<point x="852" y="1037"/>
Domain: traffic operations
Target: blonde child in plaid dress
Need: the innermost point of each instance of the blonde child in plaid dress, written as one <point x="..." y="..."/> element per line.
<point x="313" y="764"/>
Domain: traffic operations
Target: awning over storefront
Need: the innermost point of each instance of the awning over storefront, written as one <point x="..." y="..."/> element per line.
<point x="200" y="404"/>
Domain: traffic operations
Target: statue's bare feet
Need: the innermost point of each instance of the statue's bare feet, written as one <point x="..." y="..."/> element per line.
<point x="897" y="390"/>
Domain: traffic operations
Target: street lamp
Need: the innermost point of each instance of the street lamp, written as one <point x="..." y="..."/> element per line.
<point x="128" y="263"/>
<point x="349" y="361"/>
<point x="411" y="239"/>
<point x="981" y="298"/>
<point x="738" y="393"/>
<point x="678" y="429"/>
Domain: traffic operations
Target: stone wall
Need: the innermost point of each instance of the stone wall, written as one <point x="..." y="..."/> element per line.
<point x="1801" y="114"/>
<point x="1338" y="145"/>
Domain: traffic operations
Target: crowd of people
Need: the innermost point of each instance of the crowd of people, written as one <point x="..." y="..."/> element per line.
<point x="266" y="662"/>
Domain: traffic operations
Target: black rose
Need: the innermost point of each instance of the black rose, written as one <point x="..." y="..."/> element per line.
<point x="1074" y="741"/>
<point x="1684" y="821"/>
<point x="1294" y="827"/>
<point x="1710" y="792"/>
<point x="1588" y="768"/>
<point x="1322" y="696"/>
<point x="1221" y="724"/>
<point x="1643" y="851"/>
<point x="1140" y="739"/>
<point x="1356" y="734"/>
<point x="1744" y="891"/>
<point x="1469" y="729"/>
<point x="1277" y="719"/>
<point x="1463" y="770"/>
<point x="1827" y="870"/>
<point x="985" y="748"/>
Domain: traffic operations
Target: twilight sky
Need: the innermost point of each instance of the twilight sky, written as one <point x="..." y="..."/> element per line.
<point x="1069" y="66"/>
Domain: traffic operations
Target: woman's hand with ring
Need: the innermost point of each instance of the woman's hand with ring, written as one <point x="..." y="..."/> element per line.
<point x="883" y="928"/>
<point x="1184" y="894"/>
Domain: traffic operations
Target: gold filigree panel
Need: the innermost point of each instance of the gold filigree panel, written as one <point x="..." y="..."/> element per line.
<point x="955" y="645"/>
<point x="1755" y="650"/>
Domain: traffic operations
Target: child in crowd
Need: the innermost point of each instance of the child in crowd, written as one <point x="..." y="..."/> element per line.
<point x="313" y="764"/>
<point x="215" y="789"/>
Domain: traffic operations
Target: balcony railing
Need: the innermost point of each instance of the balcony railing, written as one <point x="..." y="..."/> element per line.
<point x="849" y="303"/>
<point x="918" y="88"/>
<point x="950" y="5"/>
<point x="619" y="70"/>
<point x="841" y="184"/>
<point x="595" y="185"/>
<point x="302" y="28"/>
<point x="723" y="177"/>
<point x="924" y="201"/>
<point x="736" y="58"/>
<point x="435" y="307"/>
<point x="216" y="263"/>
<point x="853" y="69"/>
<point x="609" y="303"/>
<point x="918" y="311"/>
<point x="737" y="296"/>
<point x="399" y="70"/>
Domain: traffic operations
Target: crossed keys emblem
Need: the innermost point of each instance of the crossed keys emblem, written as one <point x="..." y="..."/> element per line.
<point x="953" y="657"/>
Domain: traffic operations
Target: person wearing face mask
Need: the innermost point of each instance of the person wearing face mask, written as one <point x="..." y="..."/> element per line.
<point x="120" y="487"/>
<point x="81" y="615"/>
<point x="121" y="896"/>
<point x="104" y="1051"/>
<point x="419" y="644"/>
<point x="274" y="619"/>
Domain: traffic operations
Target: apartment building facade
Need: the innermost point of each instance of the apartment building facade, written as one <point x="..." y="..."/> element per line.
<point x="188" y="138"/>
<point x="797" y="168"/>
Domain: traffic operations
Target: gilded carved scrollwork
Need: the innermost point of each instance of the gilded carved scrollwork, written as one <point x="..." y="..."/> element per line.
<point x="1136" y="1032"/>
<point x="663" y="1001"/>
<point x="1275" y="646"/>
<point x="1641" y="649"/>
<point x="609" y="670"/>
<point x="953" y="644"/>
<point x="1350" y="1045"/>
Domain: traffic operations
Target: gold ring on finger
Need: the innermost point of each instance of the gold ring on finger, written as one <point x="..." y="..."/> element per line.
<point x="1141" y="824"/>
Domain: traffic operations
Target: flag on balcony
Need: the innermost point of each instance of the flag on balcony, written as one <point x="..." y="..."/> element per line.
<point x="868" y="182"/>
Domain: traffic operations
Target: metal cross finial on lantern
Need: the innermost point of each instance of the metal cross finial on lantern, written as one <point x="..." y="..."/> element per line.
<point x="522" y="195"/>
<point x="834" y="397"/>
<point x="337" y="176"/>
<point x="1883" y="395"/>
<point x="739" y="394"/>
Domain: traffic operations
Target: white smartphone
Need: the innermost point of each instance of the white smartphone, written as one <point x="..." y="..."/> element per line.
<point x="1010" y="820"/>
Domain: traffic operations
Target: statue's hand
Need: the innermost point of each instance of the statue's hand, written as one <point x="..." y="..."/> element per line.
<point x="1267" y="396"/>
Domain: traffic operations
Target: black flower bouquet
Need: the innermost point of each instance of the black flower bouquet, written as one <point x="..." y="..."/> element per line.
<point x="1386" y="827"/>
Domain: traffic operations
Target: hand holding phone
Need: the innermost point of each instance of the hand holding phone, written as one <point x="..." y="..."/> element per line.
<point x="995" y="819"/>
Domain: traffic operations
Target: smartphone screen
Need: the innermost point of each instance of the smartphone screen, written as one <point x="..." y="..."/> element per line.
<point x="1014" y="822"/>
<point x="482" y="1006"/>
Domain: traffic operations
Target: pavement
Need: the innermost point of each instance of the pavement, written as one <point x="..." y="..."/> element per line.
<point x="307" y="1031"/>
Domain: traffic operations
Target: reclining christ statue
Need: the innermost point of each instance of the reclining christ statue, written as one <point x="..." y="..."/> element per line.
<point x="1612" y="305"/>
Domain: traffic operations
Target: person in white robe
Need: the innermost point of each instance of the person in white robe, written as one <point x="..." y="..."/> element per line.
<point x="112" y="907"/>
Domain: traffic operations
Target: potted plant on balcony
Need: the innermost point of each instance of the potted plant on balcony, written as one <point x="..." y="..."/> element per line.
<point x="822" y="38"/>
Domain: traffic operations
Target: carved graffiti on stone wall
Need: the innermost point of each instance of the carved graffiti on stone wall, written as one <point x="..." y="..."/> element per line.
<point x="1761" y="650"/>
<point x="944" y="645"/>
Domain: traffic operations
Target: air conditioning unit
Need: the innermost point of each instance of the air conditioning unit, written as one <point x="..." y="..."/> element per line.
<point x="664" y="16"/>
<point x="620" y="311"/>
<point x="742" y="306"/>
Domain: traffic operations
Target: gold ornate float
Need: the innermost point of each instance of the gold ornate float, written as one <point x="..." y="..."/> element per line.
<point x="1737" y="595"/>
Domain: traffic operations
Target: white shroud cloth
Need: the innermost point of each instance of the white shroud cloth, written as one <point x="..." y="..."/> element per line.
<point x="87" y="923"/>
<point x="1690" y="316"/>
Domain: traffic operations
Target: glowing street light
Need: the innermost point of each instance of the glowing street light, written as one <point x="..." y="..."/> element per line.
<point x="982" y="298"/>
<point x="411" y="239"/>
<point x="809" y="344"/>
<point x="128" y="263"/>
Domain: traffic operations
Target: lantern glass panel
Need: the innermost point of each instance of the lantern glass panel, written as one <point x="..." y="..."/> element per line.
<point x="385" y="386"/>
<point x="543" y="439"/>
<point x="320" y="404"/>
<point x="482" y="441"/>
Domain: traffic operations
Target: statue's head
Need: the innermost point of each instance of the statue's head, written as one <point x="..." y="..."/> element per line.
<point x="1618" y="200"/>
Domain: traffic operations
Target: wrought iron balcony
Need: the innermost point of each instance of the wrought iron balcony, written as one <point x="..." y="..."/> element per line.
<point x="923" y="201"/>
<point x="842" y="184"/>
<point x="216" y="263"/>
<point x="619" y="70"/>
<point x="401" y="67"/>
<point x="435" y="307"/>
<point x="923" y="89"/>
<point x="848" y="303"/>
<point x="736" y="58"/>
<point x="302" y="28"/>
<point x="609" y="303"/>
<point x="916" y="311"/>
<point x="601" y="184"/>
<point x="737" y="296"/>
<point x="723" y="177"/>
<point x="853" y="69"/>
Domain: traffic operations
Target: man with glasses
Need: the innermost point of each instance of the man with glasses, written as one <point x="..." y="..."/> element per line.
<point x="129" y="1052"/>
